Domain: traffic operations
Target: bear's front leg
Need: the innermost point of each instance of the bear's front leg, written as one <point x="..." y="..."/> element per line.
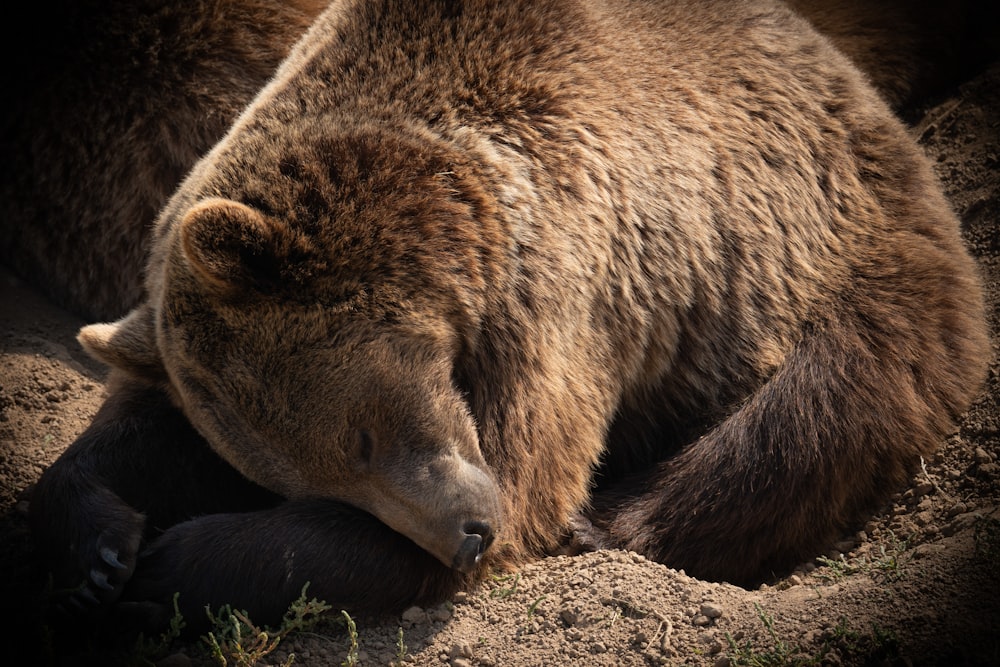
<point x="86" y="537"/>
<point x="259" y="562"/>
<point x="137" y="469"/>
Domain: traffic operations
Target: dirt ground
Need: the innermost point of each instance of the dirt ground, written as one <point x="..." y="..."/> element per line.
<point x="918" y="585"/>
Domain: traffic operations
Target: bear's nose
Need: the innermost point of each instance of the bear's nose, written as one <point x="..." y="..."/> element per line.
<point x="478" y="538"/>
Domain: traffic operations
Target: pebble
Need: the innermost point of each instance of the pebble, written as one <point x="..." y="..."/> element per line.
<point x="845" y="546"/>
<point x="414" y="615"/>
<point x="701" y="620"/>
<point x="711" y="610"/>
<point x="441" y="613"/>
<point x="988" y="470"/>
<point x="981" y="456"/>
<point x="460" y="649"/>
<point x="568" y="617"/>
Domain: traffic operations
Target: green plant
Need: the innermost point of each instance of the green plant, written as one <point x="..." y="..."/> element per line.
<point x="879" y="647"/>
<point x="534" y="605"/>
<point x="780" y="654"/>
<point x="400" y="649"/>
<point x="888" y="566"/>
<point x="235" y="637"/>
<point x="147" y="651"/>
<point x="352" y="633"/>
<point x="839" y="568"/>
<point x="505" y="591"/>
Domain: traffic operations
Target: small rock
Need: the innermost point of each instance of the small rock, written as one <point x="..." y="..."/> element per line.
<point x="845" y="546"/>
<point x="701" y="620"/>
<point x="981" y="456"/>
<point x="723" y="661"/>
<point x="414" y="615"/>
<point x="460" y="649"/>
<point x="956" y="509"/>
<point x="923" y="489"/>
<point x="812" y="637"/>
<point x="440" y="613"/>
<point x="568" y="617"/>
<point x="988" y="470"/>
<point x="711" y="610"/>
<point x="598" y="647"/>
<point x="794" y="580"/>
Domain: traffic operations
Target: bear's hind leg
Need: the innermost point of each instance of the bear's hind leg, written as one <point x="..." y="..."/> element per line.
<point x="815" y="450"/>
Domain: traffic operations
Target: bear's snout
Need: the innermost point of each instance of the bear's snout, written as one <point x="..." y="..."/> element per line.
<point x="478" y="538"/>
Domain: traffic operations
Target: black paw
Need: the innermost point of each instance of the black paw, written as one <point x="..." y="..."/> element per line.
<point x="104" y="580"/>
<point x="89" y="542"/>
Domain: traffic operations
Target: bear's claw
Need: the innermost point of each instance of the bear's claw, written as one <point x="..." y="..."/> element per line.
<point x="110" y="556"/>
<point x="100" y="580"/>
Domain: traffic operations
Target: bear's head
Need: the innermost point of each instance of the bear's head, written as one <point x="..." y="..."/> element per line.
<point x="315" y="352"/>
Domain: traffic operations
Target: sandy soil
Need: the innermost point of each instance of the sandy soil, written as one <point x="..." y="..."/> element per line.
<point x="920" y="584"/>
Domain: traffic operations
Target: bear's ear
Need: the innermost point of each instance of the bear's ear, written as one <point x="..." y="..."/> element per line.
<point x="128" y="344"/>
<point x="229" y="244"/>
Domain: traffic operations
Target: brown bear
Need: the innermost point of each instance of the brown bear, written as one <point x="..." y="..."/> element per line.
<point x="466" y="276"/>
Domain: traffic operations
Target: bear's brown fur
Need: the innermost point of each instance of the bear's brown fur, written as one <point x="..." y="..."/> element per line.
<point x="670" y="274"/>
<point x="112" y="101"/>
